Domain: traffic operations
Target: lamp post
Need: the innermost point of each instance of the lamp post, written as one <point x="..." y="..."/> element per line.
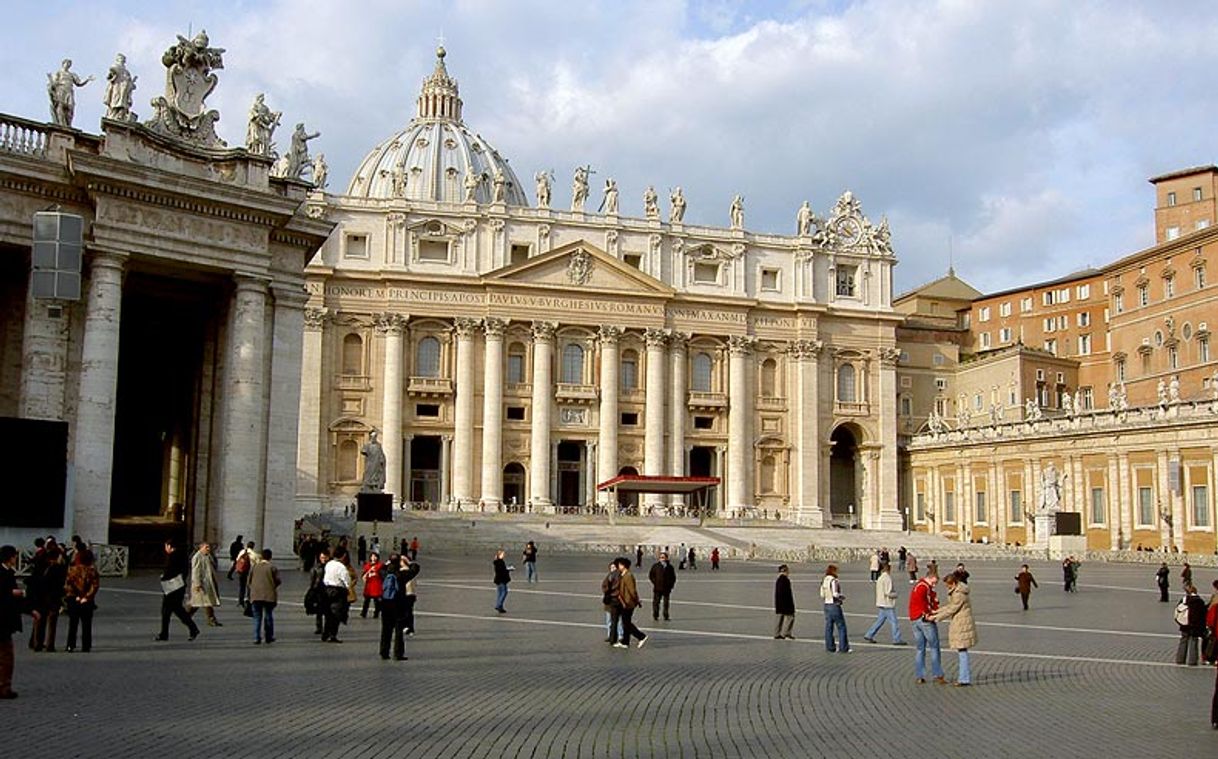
<point x="907" y="525"/>
<point x="850" y="508"/>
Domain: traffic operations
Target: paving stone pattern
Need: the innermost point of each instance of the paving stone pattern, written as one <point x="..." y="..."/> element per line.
<point x="540" y="682"/>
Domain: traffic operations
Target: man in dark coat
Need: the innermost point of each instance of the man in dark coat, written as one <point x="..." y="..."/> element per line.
<point x="1162" y="578"/>
<point x="10" y="617"/>
<point x="1192" y="633"/>
<point x="234" y="550"/>
<point x="663" y="579"/>
<point x="503" y="576"/>
<point x="174" y="594"/>
<point x="784" y="605"/>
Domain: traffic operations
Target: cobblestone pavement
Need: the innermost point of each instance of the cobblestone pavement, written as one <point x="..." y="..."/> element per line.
<point x="1086" y="674"/>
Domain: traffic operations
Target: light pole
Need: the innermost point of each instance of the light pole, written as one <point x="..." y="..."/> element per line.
<point x="850" y="508"/>
<point x="907" y="525"/>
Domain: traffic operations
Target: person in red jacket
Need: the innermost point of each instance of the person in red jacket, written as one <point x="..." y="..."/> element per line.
<point x="922" y="603"/>
<point x="373" y="583"/>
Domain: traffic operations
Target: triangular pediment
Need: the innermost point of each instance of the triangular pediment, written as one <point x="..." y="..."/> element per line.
<point x="579" y="266"/>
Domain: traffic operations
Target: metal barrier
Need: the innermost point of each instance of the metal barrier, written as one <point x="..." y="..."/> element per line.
<point x="112" y="561"/>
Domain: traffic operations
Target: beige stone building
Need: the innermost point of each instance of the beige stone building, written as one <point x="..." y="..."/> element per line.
<point x="513" y="355"/>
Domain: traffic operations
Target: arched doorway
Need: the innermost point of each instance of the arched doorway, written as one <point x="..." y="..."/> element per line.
<point x="702" y="464"/>
<point x="628" y="502"/>
<point x="513" y="486"/>
<point x="844" y="506"/>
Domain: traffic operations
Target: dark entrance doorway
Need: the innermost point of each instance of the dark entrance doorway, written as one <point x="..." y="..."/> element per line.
<point x="628" y="500"/>
<point x="425" y="469"/>
<point x="570" y="473"/>
<point x="843" y="490"/>
<point x="702" y="463"/>
<point x="513" y="486"/>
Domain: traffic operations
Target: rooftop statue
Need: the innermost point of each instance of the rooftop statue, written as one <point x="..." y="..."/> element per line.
<point x="543" y="180"/>
<point x="1173" y="389"/>
<point x="472" y="181"/>
<point x="262" y="123"/>
<point x="398" y="180"/>
<point x="579" y="187"/>
<point x="321" y="171"/>
<point x="651" y="203"/>
<point x="499" y="185"/>
<point x="736" y="212"/>
<point x="676" y="211"/>
<point x="182" y="111"/>
<point x="803" y="219"/>
<point x="119" y="88"/>
<point x="609" y="202"/>
<point x="61" y="87"/>
<point x="297" y="158"/>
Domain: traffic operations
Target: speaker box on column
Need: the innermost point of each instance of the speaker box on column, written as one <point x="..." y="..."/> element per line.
<point x="374" y="507"/>
<point x="1069" y="523"/>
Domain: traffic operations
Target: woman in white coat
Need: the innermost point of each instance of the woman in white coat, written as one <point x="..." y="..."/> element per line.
<point x="204" y="590"/>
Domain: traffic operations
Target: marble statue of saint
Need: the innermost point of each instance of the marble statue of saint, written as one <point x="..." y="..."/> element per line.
<point x="298" y="153"/>
<point x="736" y="212"/>
<point x="119" y="87"/>
<point x="61" y="87"/>
<point x="1113" y="403"/>
<point x="676" y="211"/>
<point x="965" y="416"/>
<point x="1161" y="392"/>
<point x="1122" y="397"/>
<point x="472" y="181"/>
<point x="1214" y="385"/>
<point x="1078" y="401"/>
<point x="499" y="186"/>
<point x="579" y="188"/>
<point x="1050" y="489"/>
<point x="609" y="202"/>
<point x="934" y="423"/>
<point x="995" y="414"/>
<point x="1032" y="410"/>
<point x="1173" y="389"/>
<point x="651" y="203"/>
<point x="261" y="125"/>
<point x="1068" y="404"/>
<point x="397" y="180"/>
<point x="321" y="171"/>
<point x="374" y="465"/>
<point x="803" y="219"/>
<point x="543" y="179"/>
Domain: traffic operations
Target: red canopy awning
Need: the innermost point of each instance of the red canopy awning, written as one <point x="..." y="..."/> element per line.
<point x="643" y="483"/>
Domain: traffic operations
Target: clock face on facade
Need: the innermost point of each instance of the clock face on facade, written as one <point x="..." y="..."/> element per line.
<point x="849" y="231"/>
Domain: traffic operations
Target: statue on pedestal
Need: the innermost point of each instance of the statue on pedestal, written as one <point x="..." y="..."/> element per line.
<point x="374" y="465"/>
<point x="803" y="219"/>
<point x="61" y="87"/>
<point x="498" y="186"/>
<point x="736" y="212"/>
<point x="543" y="180"/>
<point x="676" y="211"/>
<point x="579" y="188"/>
<point x="1050" y="489"/>
<point x="472" y="181"/>
<point x="321" y="171"/>
<point x="119" y="88"/>
<point x="1068" y="405"/>
<point x="182" y="112"/>
<point x="397" y="180"/>
<point x="609" y="202"/>
<point x="651" y="204"/>
<point x="1031" y="410"/>
<point x="298" y="154"/>
<point x="262" y="123"/>
<point x="1161" y="393"/>
<point x="1173" y="390"/>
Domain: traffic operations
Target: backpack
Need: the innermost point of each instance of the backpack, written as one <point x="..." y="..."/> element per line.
<point x="389" y="587"/>
<point x="243" y="563"/>
<point x="1181" y="615"/>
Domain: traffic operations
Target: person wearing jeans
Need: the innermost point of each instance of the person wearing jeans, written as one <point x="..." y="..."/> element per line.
<point x="922" y="603"/>
<point x="503" y="576"/>
<point x="530" y="562"/>
<point x="263" y="596"/>
<point x="885" y="602"/>
<point x="963" y="633"/>
<point x="835" y="619"/>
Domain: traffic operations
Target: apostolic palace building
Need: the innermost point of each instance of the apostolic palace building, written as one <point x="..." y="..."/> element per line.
<point x="220" y="337"/>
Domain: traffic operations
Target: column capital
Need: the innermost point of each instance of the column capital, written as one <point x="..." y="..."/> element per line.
<point x="289" y="295"/>
<point x="655" y="337"/>
<point x="678" y="341"/>
<point x="250" y="282"/>
<point x="805" y="349"/>
<point x="315" y="319"/>
<point x="465" y="327"/>
<point x="107" y="259"/>
<point x="493" y="327"/>
<point x="609" y="335"/>
<point x="741" y="345"/>
<point x="889" y="356"/>
<point x="388" y="323"/>
<point x="543" y="331"/>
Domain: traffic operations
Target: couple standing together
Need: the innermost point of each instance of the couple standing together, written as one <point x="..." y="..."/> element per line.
<point x="925" y="613"/>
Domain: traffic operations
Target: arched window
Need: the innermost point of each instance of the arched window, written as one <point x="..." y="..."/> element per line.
<point x="353" y="355"/>
<point x="572" y="364"/>
<point x="630" y="370"/>
<point x="768" y="471"/>
<point x="769" y="370"/>
<point x="348" y="461"/>
<point x="702" y="373"/>
<point x="846" y="392"/>
<point x="515" y="364"/>
<point x="427" y="361"/>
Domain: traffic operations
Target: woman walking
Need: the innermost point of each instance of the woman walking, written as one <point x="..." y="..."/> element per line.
<point x="204" y="590"/>
<point x="1024" y="582"/>
<point x="79" y="590"/>
<point x="963" y="633"/>
<point x="372" y="574"/>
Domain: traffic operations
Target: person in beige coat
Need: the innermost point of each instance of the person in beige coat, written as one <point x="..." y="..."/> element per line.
<point x="963" y="633"/>
<point x="204" y="590"/>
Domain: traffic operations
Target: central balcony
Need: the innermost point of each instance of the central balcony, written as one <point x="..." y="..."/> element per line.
<point x="576" y="393"/>
<point x="699" y="399"/>
<point x="430" y="387"/>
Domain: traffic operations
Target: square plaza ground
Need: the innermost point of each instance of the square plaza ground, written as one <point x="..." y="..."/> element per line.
<point x="1086" y="674"/>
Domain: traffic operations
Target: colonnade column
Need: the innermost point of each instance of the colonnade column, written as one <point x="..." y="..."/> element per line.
<point x="543" y="399"/>
<point x="677" y="409"/>
<point x="93" y="452"/>
<point x="492" y="413"/>
<point x="463" y="422"/>
<point x="653" y="411"/>
<point x="740" y="424"/>
<point x="393" y="326"/>
<point x="606" y="460"/>
<point x="308" y="442"/>
<point x="808" y="506"/>
<point x="283" y="416"/>
<point x="242" y="444"/>
<point x="446" y="467"/>
<point x="889" y="513"/>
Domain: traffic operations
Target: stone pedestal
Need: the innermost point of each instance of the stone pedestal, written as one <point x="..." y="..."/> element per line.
<point x="1045" y="524"/>
<point x="1061" y="546"/>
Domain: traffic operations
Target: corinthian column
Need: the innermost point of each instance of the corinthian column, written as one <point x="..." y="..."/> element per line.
<point x="308" y="446"/>
<point x="807" y="506"/>
<point x="242" y="444"/>
<point x="463" y="436"/>
<point x="492" y="413"/>
<point x="93" y="452"/>
<point x="888" y="513"/>
<point x="606" y="448"/>
<point x="543" y="397"/>
<point x="676" y="405"/>
<point x="392" y="326"/>
<point x="740" y="424"/>
<point x="653" y="410"/>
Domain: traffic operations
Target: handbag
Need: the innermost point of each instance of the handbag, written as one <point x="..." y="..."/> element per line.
<point x="172" y="585"/>
<point x="248" y="609"/>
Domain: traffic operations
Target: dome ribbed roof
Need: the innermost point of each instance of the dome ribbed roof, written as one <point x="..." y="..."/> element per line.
<point x="431" y="158"/>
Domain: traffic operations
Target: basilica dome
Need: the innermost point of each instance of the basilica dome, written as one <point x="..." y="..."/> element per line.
<point x="436" y="158"/>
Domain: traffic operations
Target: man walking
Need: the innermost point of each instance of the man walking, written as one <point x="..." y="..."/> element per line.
<point x="835" y="619"/>
<point x="503" y="576"/>
<point x="784" y="605"/>
<point x="317" y="588"/>
<point x="11" y="597"/>
<point x="245" y="561"/>
<point x="911" y="566"/>
<point x="922" y="603"/>
<point x="1190" y="618"/>
<point x="263" y="596"/>
<point x="336" y="588"/>
<point x="628" y="601"/>
<point x="173" y="590"/>
<point x="885" y="602"/>
<point x="663" y="579"/>
<point x="234" y="550"/>
<point x="530" y="562"/>
<point x="1024" y="582"/>
<point x="1162" y="578"/>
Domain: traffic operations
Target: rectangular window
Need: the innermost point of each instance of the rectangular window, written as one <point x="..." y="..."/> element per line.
<point x="1173" y="358"/>
<point x="1201" y="224"/>
<point x="706" y="273"/>
<point x="1051" y="346"/>
<point x="1063" y="322"/>
<point x="1004" y="335"/>
<point x="520" y="253"/>
<point x="940" y="383"/>
<point x="983" y="315"/>
<point x="979" y="512"/>
<point x="1047" y="298"/>
<point x="630" y="419"/>
<point x="357" y="246"/>
<point x="938" y="359"/>
<point x="845" y="280"/>
<point x="1084" y="319"/>
<point x="1098" y="507"/>
<point x="1143" y="295"/>
<point x="1025" y="305"/>
<point x="427" y="410"/>
<point x="1050" y="324"/>
<point x="1120" y="370"/>
<point x="633" y="259"/>
<point x="1004" y="309"/>
<point x="1119" y="302"/>
<point x="906" y="406"/>
<point x="1203" y="349"/>
<point x="704" y="422"/>
<point x="1063" y="295"/>
<point x="769" y="280"/>
<point x="1201" y="506"/>
<point x="1196" y="193"/>
<point x="985" y="339"/>
<point x="1088" y="398"/>
<point x="515" y="369"/>
<point x="1015" y="500"/>
<point x="941" y="406"/>
<point x="515" y="413"/>
<point x="1171" y="198"/>
<point x="1084" y="292"/>
<point x="949" y="507"/>
<point x="1146" y="507"/>
<point x="1084" y="345"/>
<point x="920" y="507"/>
<point x="1173" y="233"/>
<point x="433" y="250"/>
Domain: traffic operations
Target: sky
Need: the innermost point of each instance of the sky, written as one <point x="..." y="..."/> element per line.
<point x="1013" y="137"/>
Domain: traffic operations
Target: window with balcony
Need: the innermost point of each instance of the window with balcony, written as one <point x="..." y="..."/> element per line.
<point x="572" y="364"/>
<point x="427" y="358"/>
<point x="630" y="370"/>
<point x="701" y="379"/>
<point x="846" y="390"/>
<point x="353" y="355"/>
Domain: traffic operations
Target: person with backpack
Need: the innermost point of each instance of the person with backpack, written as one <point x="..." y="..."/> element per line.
<point x="1190" y="618"/>
<point x="390" y="608"/>
<point x="245" y="562"/>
